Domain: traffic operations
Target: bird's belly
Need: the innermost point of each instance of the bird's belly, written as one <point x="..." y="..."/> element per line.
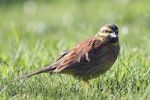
<point x="98" y="69"/>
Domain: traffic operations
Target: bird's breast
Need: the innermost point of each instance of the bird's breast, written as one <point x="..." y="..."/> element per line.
<point x="106" y="55"/>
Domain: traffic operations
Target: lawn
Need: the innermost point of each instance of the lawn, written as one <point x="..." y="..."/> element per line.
<point x="33" y="33"/>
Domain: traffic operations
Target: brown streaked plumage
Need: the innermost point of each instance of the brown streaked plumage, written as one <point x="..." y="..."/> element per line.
<point x="88" y="59"/>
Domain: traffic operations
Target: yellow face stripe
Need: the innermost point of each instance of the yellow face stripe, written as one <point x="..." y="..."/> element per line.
<point x="102" y="36"/>
<point x="106" y="28"/>
<point x="101" y="39"/>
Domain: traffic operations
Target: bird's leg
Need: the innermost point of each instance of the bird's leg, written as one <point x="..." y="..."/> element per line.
<point x="85" y="84"/>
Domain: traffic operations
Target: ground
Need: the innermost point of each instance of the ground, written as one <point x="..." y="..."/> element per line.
<point x="33" y="33"/>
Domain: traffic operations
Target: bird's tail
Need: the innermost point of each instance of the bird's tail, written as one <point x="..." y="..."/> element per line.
<point x="43" y="70"/>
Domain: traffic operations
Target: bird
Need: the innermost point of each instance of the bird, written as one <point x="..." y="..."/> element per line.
<point x="88" y="59"/>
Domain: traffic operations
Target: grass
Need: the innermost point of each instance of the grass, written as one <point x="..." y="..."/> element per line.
<point x="33" y="33"/>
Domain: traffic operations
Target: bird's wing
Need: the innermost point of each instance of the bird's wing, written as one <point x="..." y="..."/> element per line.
<point x="77" y="55"/>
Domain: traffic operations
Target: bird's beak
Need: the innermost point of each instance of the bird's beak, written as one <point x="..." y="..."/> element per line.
<point x="113" y="35"/>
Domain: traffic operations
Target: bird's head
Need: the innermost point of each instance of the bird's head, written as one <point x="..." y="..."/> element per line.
<point x="108" y="34"/>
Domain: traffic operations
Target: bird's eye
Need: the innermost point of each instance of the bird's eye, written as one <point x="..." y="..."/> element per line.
<point x="106" y="31"/>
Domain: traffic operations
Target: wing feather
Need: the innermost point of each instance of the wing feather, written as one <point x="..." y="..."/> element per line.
<point x="77" y="55"/>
